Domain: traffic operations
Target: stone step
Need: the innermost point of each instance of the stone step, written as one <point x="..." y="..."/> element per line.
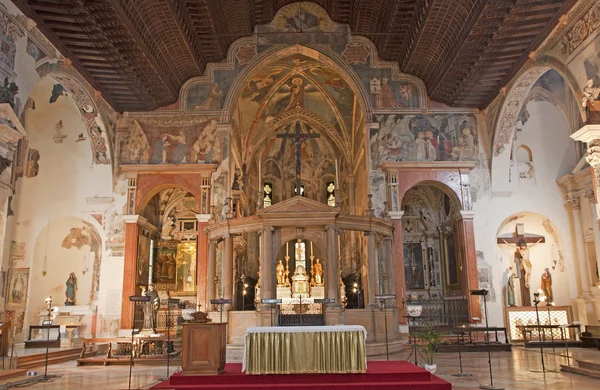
<point x="583" y="367"/>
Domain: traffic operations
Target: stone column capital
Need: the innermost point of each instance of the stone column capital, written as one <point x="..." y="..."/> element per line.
<point x="573" y="201"/>
<point x="590" y="196"/>
<point x="396" y="214"/>
<point x="203" y="218"/>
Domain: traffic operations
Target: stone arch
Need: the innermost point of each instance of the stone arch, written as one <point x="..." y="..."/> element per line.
<point x="452" y="193"/>
<point x="84" y="97"/>
<point x="144" y="199"/>
<point x="505" y="126"/>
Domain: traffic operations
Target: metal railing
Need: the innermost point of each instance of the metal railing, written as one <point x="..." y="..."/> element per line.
<point x="448" y="311"/>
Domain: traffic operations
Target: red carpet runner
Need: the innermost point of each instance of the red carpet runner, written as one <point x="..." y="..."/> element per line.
<point x="380" y="375"/>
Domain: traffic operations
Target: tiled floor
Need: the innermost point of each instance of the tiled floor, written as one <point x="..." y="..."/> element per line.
<point x="511" y="371"/>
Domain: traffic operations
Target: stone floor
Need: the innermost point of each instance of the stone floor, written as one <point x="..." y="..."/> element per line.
<point x="512" y="370"/>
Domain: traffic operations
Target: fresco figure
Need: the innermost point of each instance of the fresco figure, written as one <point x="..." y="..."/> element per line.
<point x="71" y="288"/>
<point x="296" y="94"/>
<point x="420" y="146"/>
<point x="212" y="100"/>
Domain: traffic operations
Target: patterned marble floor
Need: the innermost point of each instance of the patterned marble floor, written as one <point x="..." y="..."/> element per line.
<point x="511" y="371"/>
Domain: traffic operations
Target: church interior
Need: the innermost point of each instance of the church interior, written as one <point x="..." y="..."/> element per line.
<point x="405" y="167"/>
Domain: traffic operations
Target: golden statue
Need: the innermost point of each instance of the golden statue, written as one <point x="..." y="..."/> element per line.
<point x="318" y="273"/>
<point x="280" y="271"/>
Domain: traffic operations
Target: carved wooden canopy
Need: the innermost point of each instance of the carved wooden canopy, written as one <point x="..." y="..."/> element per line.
<point x="138" y="53"/>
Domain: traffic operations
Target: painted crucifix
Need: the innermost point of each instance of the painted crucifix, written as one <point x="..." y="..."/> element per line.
<point x="298" y="137"/>
<point x="522" y="243"/>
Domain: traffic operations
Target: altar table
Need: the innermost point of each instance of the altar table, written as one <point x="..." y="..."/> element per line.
<point x="336" y="349"/>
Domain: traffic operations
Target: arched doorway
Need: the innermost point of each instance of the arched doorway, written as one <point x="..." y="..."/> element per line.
<point x="433" y="254"/>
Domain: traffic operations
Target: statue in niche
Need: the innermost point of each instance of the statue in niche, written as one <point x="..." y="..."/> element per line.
<point x="318" y="273"/>
<point x="510" y="290"/>
<point x="71" y="288"/>
<point x="280" y="272"/>
<point x="8" y="92"/>
<point x="547" y="286"/>
<point x="590" y="93"/>
<point x="151" y="308"/>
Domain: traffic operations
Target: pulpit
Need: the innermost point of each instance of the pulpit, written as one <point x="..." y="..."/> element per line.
<point x="204" y="348"/>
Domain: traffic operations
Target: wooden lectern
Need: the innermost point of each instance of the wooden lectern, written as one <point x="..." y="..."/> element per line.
<point x="204" y="348"/>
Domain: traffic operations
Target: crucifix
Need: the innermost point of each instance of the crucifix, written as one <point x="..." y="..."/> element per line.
<point x="522" y="242"/>
<point x="298" y="138"/>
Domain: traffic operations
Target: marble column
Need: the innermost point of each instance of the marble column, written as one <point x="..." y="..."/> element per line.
<point x="584" y="270"/>
<point x="372" y="277"/>
<point x="202" y="260"/>
<point x="390" y="285"/>
<point x="469" y="275"/>
<point x="211" y="274"/>
<point x="398" y="264"/>
<point x="332" y="281"/>
<point x="11" y="131"/>
<point x="267" y="265"/>
<point x="590" y="196"/>
<point x="228" y="271"/>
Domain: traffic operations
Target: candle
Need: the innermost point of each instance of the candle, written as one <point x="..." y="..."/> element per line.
<point x="259" y="176"/>
<point x="337" y="175"/>
<point x="311" y="252"/>
<point x="287" y="251"/>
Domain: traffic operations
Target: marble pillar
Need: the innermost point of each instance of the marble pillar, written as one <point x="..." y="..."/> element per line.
<point x="267" y="265"/>
<point x="584" y="270"/>
<point x="398" y="265"/>
<point x="333" y="266"/>
<point x="228" y="271"/>
<point x="202" y="260"/>
<point x="591" y="198"/>
<point x="469" y="275"/>
<point x="372" y="277"/>
<point x="211" y="274"/>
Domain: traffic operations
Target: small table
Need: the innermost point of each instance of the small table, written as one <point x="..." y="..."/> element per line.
<point x="305" y="350"/>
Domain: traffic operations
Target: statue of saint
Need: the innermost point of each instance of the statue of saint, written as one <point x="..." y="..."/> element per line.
<point x="151" y="308"/>
<point x="280" y="271"/>
<point x="8" y="92"/>
<point x="547" y="286"/>
<point x="510" y="290"/>
<point x="522" y="257"/>
<point x="318" y="273"/>
<point x="71" y="285"/>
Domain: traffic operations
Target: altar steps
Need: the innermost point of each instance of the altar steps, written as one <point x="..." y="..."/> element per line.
<point x="587" y="368"/>
<point x="54" y="357"/>
<point x="379" y="375"/>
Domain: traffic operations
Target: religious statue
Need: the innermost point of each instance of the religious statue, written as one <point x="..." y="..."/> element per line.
<point x="151" y="308"/>
<point x="318" y="273"/>
<point x="590" y="94"/>
<point x="510" y="290"/>
<point x="522" y="257"/>
<point x="71" y="285"/>
<point x="225" y="209"/>
<point x="280" y="271"/>
<point x="8" y="92"/>
<point x="547" y="286"/>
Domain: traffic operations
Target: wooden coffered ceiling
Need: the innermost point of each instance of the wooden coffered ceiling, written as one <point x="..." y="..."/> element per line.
<point x="138" y="53"/>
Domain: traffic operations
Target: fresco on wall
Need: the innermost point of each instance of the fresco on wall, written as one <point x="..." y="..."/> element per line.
<point x="446" y="137"/>
<point x="208" y="96"/>
<point x="153" y="143"/>
<point x="143" y="260"/>
<point x="303" y="23"/>
<point x="386" y="93"/>
<point x="34" y="51"/>
<point x="9" y="34"/>
<point x="17" y="253"/>
<point x="33" y="166"/>
<point x="18" y="280"/>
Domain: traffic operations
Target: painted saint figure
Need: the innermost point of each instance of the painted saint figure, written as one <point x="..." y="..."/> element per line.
<point x="71" y="288"/>
<point x="547" y="286"/>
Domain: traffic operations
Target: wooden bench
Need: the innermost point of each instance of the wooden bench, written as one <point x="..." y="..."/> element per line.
<point x="591" y="337"/>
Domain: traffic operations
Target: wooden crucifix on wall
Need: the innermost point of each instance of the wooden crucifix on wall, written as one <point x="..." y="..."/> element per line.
<point x="522" y="243"/>
<point x="298" y="138"/>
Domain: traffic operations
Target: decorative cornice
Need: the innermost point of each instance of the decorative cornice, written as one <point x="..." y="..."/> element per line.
<point x="432" y="165"/>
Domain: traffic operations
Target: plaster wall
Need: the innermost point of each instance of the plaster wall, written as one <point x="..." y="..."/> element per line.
<point x="67" y="192"/>
<point x="546" y="133"/>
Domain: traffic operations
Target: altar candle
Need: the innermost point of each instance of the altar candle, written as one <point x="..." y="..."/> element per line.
<point x="311" y="252"/>
<point x="259" y="176"/>
<point x="287" y="252"/>
<point x="337" y="175"/>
